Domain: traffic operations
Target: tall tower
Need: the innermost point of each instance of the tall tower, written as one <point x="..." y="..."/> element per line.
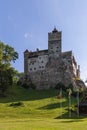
<point x="54" y="43"/>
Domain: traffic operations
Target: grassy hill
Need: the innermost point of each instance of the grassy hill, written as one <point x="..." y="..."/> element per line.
<point x="38" y="110"/>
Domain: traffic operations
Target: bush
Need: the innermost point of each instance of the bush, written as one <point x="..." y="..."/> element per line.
<point x="25" y="85"/>
<point x="33" y="86"/>
<point x="70" y="86"/>
<point x="28" y="85"/>
<point x="60" y="85"/>
<point x="19" y="83"/>
<point x="81" y="93"/>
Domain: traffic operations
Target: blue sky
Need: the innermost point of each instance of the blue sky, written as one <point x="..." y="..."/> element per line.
<point x="24" y="24"/>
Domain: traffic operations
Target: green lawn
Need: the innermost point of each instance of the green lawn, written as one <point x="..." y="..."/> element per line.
<point x="38" y="110"/>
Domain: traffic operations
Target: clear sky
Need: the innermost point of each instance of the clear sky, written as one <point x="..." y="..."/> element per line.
<point x="24" y="24"/>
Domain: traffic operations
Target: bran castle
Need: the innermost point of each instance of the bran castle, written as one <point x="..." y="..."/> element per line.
<point x="46" y="68"/>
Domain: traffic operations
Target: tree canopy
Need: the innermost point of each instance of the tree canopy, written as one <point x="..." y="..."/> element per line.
<point x="7" y="55"/>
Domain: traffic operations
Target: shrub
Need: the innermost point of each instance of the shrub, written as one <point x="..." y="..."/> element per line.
<point x="59" y="86"/>
<point x="81" y="92"/>
<point x="18" y="82"/>
<point x="25" y="85"/>
<point x="33" y="86"/>
<point x="70" y="86"/>
<point x="28" y="85"/>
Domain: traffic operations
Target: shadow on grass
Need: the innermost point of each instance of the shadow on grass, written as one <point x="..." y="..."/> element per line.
<point x="74" y="117"/>
<point x="20" y="94"/>
<point x="53" y="105"/>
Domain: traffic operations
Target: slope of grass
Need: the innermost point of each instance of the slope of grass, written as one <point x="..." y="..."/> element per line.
<point x="37" y="110"/>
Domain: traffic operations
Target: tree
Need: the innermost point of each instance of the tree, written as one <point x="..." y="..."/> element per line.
<point x="17" y="76"/>
<point x="5" y="79"/>
<point x="7" y="55"/>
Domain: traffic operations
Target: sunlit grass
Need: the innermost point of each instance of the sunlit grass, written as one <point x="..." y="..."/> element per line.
<point x="37" y="110"/>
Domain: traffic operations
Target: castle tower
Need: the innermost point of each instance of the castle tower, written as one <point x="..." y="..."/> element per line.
<point x="26" y="54"/>
<point x="54" y="43"/>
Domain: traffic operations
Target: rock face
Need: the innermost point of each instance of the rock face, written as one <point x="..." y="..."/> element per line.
<point x="46" y="68"/>
<point x="80" y="84"/>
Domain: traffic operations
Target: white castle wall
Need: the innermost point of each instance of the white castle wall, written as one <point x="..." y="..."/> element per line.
<point x="37" y="63"/>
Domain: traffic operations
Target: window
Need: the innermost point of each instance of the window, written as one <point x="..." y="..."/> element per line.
<point x="39" y="66"/>
<point x="30" y="69"/>
<point x="41" y="61"/>
<point x="34" y="68"/>
<point x="42" y="66"/>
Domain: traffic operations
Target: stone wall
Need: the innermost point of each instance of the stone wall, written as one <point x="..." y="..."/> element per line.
<point x="56" y="71"/>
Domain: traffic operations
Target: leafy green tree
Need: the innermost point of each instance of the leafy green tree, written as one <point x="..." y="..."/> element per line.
<point x="7" y="55"/>
<point x="17" y="76"/>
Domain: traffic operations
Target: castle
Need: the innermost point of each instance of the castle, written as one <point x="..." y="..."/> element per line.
<point x="48" y="67"/>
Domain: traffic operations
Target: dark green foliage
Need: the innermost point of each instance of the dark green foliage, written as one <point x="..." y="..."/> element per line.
<point x="7" y="54"/>
<point x="75" y="92"/>
<point x="60" y="86"/>
<point x="33" y="86"/>
<point x="70" y="86"/>
<point x="25" y="85"/>
<point x="19" y="83"/>
<point x="28" y="85"/>
<point x="5" y="80"/>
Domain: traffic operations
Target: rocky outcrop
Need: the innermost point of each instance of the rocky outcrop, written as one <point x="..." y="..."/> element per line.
<point x="80" y="84"/>
<point x="56" y="71"/>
